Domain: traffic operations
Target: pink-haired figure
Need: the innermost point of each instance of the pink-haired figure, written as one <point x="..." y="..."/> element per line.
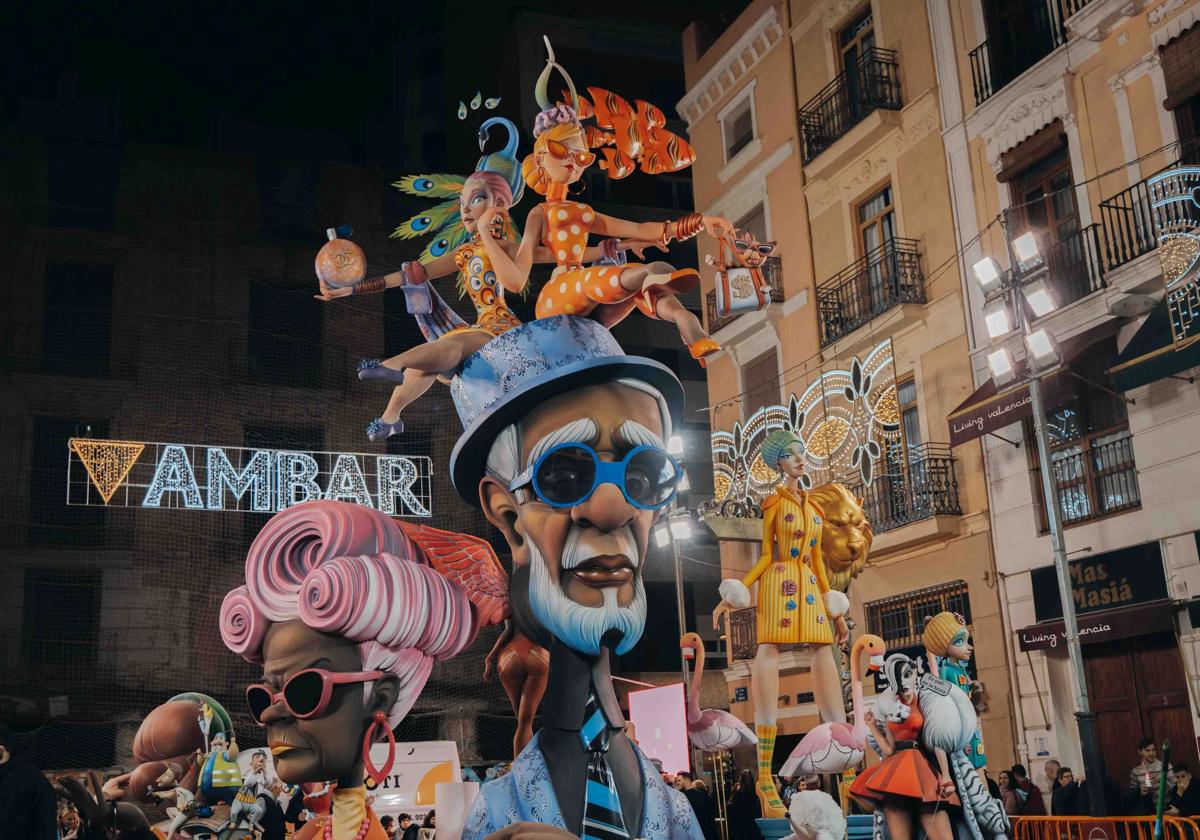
<point x="346" y="617"/>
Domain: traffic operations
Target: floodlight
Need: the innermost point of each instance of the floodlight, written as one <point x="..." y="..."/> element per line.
<point x="1000" y="363"/>
<point x="684" y="485"/>
<point x="988" y="274"/>
<point x="995" y="318"/>
<point x="661" y="536"/>
<point x="681" y="528"/>
<point x="1043" y="349"/>
<point x="1026" y="248"/>
<point x="675" y="445"/>
<point x="1037" y="295"/>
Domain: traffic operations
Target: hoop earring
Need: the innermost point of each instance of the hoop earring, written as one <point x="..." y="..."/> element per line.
<point x="378" y="773"/>
<point x="582" y="187"/>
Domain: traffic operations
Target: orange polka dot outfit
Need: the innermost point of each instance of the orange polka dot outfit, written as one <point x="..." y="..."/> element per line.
<point x="492" y="314"/>
<point x="790" y="573"/>
<point x="580" y="289"/>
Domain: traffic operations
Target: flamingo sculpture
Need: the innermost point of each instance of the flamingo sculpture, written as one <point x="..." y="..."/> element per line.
<point x="834" y="747"/>
<point x="711" y="730"/>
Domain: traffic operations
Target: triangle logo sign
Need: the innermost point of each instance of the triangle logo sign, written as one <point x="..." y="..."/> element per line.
<point x="107" y="462"/>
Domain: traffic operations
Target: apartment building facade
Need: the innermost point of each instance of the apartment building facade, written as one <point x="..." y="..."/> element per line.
<point x="819" y="125"/>
<point x="1056" y="118"/>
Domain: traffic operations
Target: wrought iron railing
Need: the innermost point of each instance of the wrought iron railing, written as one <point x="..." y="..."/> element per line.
<point x="871" y="83"/>
<point x="772" y="273"/>
<point x="1026" y="38"/>
<point x="914" y="483"/>
<point x="1095" y="477"/>
<point x="887" y="276"/>
<point x="1076" y="265"/>
<point x="1128" y="218"/>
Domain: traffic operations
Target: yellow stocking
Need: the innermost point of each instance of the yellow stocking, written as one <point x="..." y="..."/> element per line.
<point x="768" y="794"/>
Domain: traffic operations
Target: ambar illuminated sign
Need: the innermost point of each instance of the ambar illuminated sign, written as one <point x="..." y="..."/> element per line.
<point x="122" y="473"/>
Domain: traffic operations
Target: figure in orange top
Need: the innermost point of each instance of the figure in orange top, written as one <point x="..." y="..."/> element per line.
<point x="606" y="293"/>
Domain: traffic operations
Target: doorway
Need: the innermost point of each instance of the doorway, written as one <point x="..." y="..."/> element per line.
<point x="1137" y="688"/>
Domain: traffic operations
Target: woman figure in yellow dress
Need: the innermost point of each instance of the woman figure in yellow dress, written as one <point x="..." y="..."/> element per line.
<point x="795" y="604"/>
<point x="607" y="293"/>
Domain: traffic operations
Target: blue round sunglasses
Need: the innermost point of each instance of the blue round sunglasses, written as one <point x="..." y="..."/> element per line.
<point x="567" y="474"/>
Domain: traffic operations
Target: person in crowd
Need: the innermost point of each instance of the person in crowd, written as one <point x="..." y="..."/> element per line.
<point x="993" y="788"/>
<point x="430" y="820"/>
<point x="1184" y="800"/>
<point x="388" y="824"/>
<point x="704" y="808"/>
<point x="683" y="780"/>
<point x="28" y="806"/>
<point x="744" y="808"/>
<point x="408" y="830"/>
<point x="1029" y="798"/>
<point x="1141" y="798"/>
<point x="1067" y="800"/>
<point x="69" y="826"/>
<point x="1008" y="795"/>
<point x="1049" y="781"/>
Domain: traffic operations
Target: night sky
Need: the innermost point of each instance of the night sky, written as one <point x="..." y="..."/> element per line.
<point x="167" y="69"/>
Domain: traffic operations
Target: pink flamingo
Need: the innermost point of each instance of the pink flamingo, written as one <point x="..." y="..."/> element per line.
<point x="713" y="729"/>
<point x="834" y="747"/>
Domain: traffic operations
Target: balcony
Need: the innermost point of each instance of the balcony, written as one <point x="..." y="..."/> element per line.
<point x="886" y="277"/>
<point x="1076" y="265"/>
<point x="919" y="486"/>
<point x="1022" y="40"/>
<point x="1095" y="476"/>
<point x="772" y="273"/>
<point x="868" y="85"/>
<point x="1128" y="219"/>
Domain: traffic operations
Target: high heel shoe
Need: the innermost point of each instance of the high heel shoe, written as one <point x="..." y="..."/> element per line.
<point x="702" y="349"/>
<point x="374" y="369"/>
<point x="378" y="430"/>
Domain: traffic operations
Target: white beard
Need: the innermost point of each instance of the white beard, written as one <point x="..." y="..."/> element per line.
<point x="578" y="626"/>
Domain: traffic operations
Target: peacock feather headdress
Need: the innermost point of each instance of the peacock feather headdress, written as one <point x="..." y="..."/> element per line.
<point x="442" y="223"/>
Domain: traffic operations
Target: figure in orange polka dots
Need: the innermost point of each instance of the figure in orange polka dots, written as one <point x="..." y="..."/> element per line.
<point x="606" y="293"/>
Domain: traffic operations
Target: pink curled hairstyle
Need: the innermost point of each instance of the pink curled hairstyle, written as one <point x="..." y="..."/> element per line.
<point x="349" y="571"/>
<point x="496" y="185"/>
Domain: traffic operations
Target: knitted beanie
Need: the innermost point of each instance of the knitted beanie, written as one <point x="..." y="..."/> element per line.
<point x="940" y="632"/>
<point x="775" y="444"/>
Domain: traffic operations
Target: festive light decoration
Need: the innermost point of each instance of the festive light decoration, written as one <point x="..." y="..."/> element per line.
<point x="107" y="462"/>
<point x="236" y="479"/>
<point x="1177" y="219"/>
<point x="847" y="418"/>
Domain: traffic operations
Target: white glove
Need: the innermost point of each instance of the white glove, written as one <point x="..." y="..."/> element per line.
<point x="735" y="593"/>
<point x="836" y="603"/>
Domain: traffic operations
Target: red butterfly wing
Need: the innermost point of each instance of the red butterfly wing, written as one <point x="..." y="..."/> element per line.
<point x="469" y="562"/>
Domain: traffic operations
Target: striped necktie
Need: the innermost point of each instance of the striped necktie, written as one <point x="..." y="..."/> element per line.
<point x="602" y="818"/>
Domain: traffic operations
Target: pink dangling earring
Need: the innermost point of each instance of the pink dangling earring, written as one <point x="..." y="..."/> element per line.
<point x="379" y="773"/>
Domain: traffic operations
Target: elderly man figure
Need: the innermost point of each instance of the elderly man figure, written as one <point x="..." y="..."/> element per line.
<point x="564" y="449"/>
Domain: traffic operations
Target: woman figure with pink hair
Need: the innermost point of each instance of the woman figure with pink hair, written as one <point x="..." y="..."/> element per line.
<point x="346" y="617"/>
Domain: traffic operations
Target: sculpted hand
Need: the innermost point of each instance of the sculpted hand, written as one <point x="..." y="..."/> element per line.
<point x="531" y="831"/>
<point x="841" y="631"/>
<point x="717" y="226"/>
<point x="722" y="611"/>
<point x="329" y="293"/>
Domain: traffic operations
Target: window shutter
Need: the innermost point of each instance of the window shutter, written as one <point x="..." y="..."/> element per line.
<point x="1181" y="67"/>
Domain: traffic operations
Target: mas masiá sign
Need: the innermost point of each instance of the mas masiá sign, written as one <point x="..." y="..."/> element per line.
<point x="1121" y="578"/>
<point x="185" y="476"/>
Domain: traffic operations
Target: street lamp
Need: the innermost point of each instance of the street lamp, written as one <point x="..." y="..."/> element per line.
<point x="670" y="530"/>
<point x="1027" y="289"/>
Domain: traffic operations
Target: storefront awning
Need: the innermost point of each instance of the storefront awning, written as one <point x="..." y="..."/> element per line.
<point x="1107" y="626"/>
<point x="1151" y="354"/>
<point x="991" y="408"/>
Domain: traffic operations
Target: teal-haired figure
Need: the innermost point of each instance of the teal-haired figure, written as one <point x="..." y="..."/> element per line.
<point x="795" y="602"/>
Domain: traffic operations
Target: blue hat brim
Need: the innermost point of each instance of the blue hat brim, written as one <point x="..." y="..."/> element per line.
<point x="469" y="459"/>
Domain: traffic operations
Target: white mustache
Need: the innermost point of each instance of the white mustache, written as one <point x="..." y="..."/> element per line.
<point x="585" y="543"/>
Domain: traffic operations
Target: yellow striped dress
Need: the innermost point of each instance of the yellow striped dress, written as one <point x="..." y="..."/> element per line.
<point x="790" y="573"/>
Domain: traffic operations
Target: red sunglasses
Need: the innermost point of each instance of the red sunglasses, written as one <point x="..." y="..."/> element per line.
<point x="306" y="693"/>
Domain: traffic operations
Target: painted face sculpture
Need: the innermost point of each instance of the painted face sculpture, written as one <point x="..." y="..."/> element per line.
<point x="579" y="566"/>
<point x="346" y="624"/>
<point x="748" y="251"/>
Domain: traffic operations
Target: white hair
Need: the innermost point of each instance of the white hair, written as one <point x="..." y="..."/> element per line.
<point x="504" y="457"/>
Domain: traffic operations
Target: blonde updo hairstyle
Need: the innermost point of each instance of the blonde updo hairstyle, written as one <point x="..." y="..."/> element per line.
<point x="531" y="167"/>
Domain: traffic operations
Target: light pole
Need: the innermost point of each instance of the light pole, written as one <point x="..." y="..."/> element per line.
<point x="1025" y="287"/>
